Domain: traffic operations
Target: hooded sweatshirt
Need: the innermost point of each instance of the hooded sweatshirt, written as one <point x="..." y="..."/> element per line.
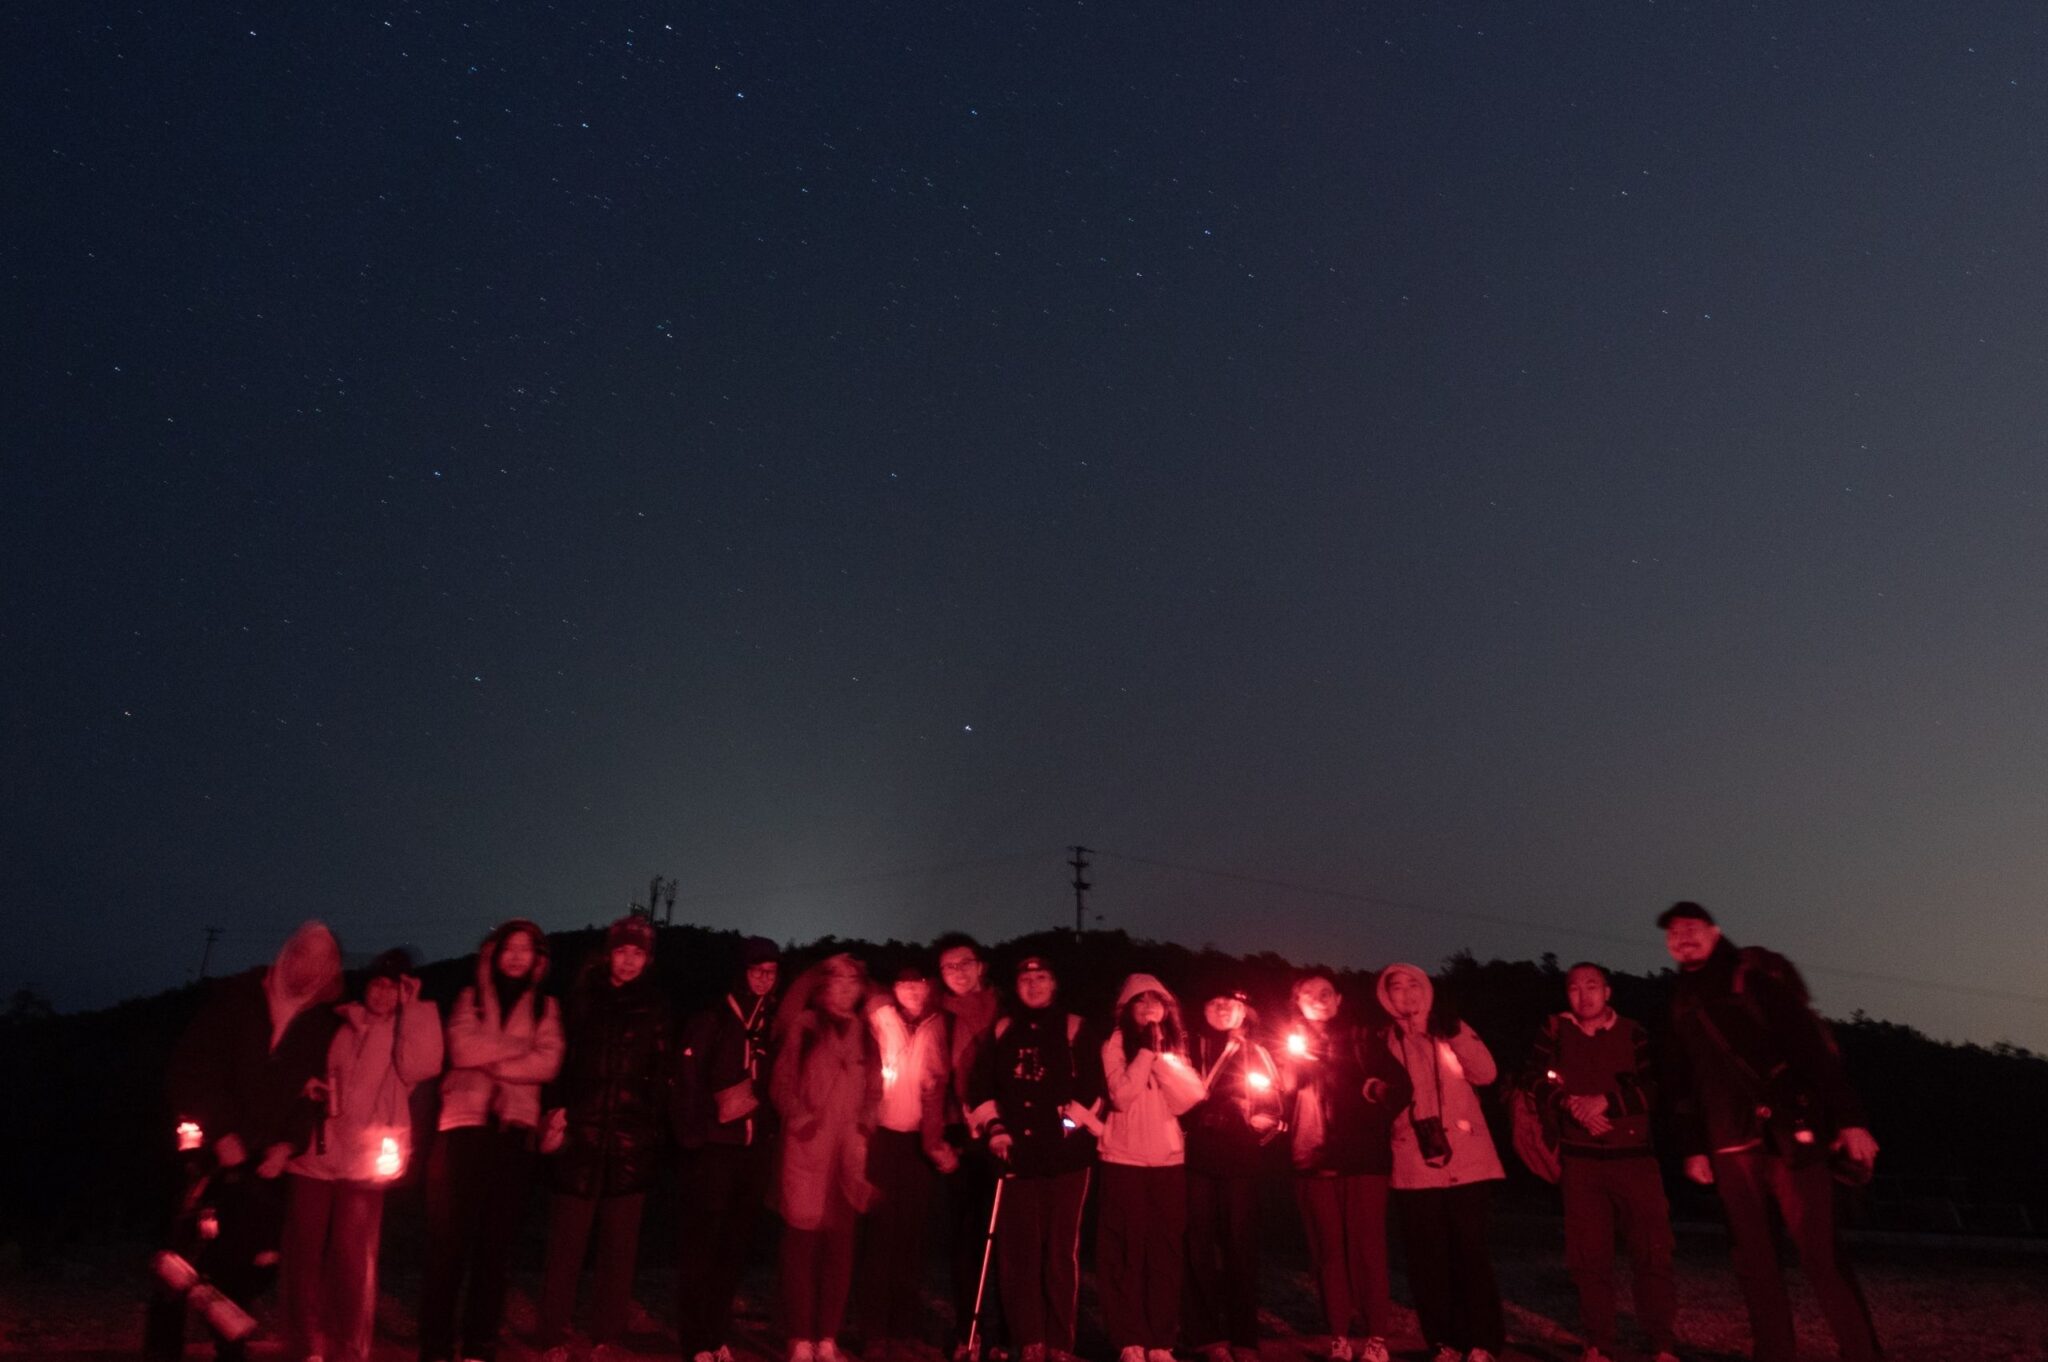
<point x="1148" y="1091"/>
<point x="373" y="1064"/>
<point x="242" y="1066"/>
<point x="1445" y="1074"/>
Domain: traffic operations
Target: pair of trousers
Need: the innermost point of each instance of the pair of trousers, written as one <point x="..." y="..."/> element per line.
<point x="817" y="1274"/>
<point x="1748" y="1181"/>
<point x="477" y="1184"/>
<point x="722" y="1190"/>
<point x="1141" y="1253"/>
<point x="1344" y="1216"/>
<point x="1598" y="1194"/>
<point x="240" y="1262"/>
<point x="330" y="1268"/>
<point x="1222" y="1300"/>
<point x="571" y="1219"/>
<point x="1450" y="1266"/>
<point x="1038" y="1242"/>
<point x="893" y="1236"/>
<point x="970" y="1191"/>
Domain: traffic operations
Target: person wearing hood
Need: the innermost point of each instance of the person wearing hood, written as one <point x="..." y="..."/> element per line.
<point x="826" y="1087"/>
<point x="1444" y="1163"/>
<point x="907" y="1154"/>
<point x="244" y="1082"/>
<point x="388" y="1043"/>
<point x="1345" y="1088"/>
<point x="503" y="1041"/>
<point x="603" y="1140"/>
<point x="1229" y="1134"/>
<point x="1763" y="1101"/>
<point x="1037" y="1098"/>
<point x="1141" y="1228"/>
<point x="727" y="1127"/>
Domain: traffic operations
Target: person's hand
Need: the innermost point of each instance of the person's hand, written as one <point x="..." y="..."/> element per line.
<point x="944" y="1159"/>
<point x="999" y="1145"/>
<point x="1596" y="1125"/>
<point x="1263" y="1122"/>
<point x="408" y="989"/>
<point x="1700" y="1169"/>
<point x="228" y="1149"/>
<point x="274" y="1160"/>
<point x="1857" y="1145"/>
<point x="1584" y="1108"/>
<point x="316" y="1090"/>
<point x="1375" y="1089"/>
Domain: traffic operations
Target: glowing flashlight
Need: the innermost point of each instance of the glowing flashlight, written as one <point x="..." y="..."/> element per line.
<point x="1297" y="1045"/>
<point x="389" y="1160"/>
<point x="190" y="1136"/>
<point x="889" y="1074"/>
<point x="1258" y="1080"/>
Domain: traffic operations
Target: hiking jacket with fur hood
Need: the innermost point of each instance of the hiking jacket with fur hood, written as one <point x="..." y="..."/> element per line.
<point x="1446" y="1074"/>
<point x="500" y="1054"/>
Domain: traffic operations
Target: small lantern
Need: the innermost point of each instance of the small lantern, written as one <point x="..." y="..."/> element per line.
<point x="190" y="1136"/>
<point x="1258" y="1080"/>
<point x="389" y="1161"/>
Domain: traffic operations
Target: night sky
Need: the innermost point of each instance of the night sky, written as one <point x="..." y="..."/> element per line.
<point x="1516" y="465"/>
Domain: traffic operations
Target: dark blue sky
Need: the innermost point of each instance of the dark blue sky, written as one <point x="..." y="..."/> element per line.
<point x="1535" y="462"/>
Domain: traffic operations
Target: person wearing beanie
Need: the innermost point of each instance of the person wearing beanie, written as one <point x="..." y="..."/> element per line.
<point x="1590" y="1076"/>
<point x="504" y="1040"/>
<point x="1762" y="1102"/>
<point x="1345" y="1089"/>
<point x="388" y="1043"/>
<point x="827" y="1087"/>
<point x="242" y="1079"/>
<point x="1230" y="1134"/>
<point x="1141" y="1229"/>
<point x="614" y="1094"/>
<point x="728" y="1130"/>
<point x="907" y="1154"/>
<point x="1444" y="1165"/>
<point x="1037" y="1097"/>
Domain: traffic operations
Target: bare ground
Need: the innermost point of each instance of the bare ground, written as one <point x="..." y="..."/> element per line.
<point x="1930" y="1302"/>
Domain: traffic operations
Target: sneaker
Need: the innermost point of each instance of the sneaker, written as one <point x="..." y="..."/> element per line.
<point x="1446" y="1353"/>
<point x="1339" y="1349"/>
<point x="1480" y="1355"/>
<point x="803" y="1350"/>
<point x="1159" y="1355"/>
<point x="1034" y="1352"/>
<point x="724" y="1354"/>
<point x="1134" y="1353"/>
<point x="559" y="1353"/>
<point x="1665" y="1355"/>
<point x="1373" y="1349"/>
<point x="828" y="1350"/>
<point x="1594" y="1355"/>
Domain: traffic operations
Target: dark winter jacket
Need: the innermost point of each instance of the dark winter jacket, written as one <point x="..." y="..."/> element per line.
<point x="1241" y="1082"/>
<point x="1745" y="1041"/>
<point x="1614" y="1061"/>
<point x="614" y="1085"/>
<point x="722" y="1048"/>
<point x="1037" y="1062"/>
<point x="1335" y="1128"/>
<point x="225" y="1075"/>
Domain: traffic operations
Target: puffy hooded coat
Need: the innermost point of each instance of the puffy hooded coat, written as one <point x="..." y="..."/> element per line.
<point x="827" y="1085"/>
<point x="1148" y="1090"/>
<point x="504" y="1042"/>
<point x="1446" y="1074"/>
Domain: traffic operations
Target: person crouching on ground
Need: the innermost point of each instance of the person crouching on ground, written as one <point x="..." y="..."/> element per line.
<point x="1348" y="1087"/>
<point x="388" y="1043"/>
<point x="826" y="1086"/>
<point x="615" y="1087"/>
<point x="1229" y="1137"/>
<point x="1444" y="1161"/>
<point x="1141" y="1229"/>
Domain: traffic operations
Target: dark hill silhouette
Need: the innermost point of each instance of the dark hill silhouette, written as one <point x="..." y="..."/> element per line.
<point x="86" y="1148"/>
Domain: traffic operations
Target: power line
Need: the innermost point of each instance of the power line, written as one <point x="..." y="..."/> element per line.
<point x="1530" y="924"/>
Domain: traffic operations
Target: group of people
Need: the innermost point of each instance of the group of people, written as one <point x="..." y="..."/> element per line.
<point x="858" y="1107"/>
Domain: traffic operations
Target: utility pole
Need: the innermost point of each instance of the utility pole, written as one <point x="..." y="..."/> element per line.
<point x="206" y="956"/>
<point x="1081" y="888"/>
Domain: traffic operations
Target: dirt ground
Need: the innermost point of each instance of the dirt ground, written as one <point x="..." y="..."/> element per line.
<point x="1930" y="1302"/>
